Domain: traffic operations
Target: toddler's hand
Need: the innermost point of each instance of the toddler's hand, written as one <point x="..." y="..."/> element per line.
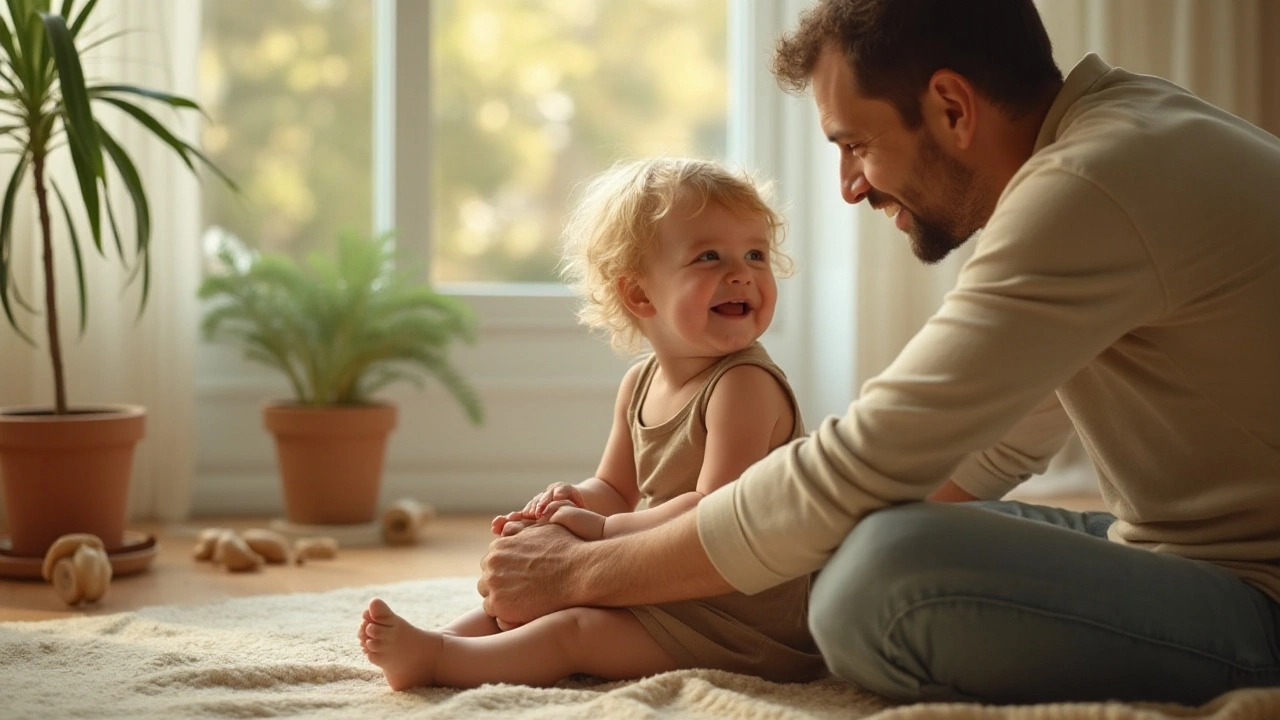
<point x="557" y="491"/>
<point x="510" y="524"/>
<point x="584" y="523"/>
<point x="514" y="522"/>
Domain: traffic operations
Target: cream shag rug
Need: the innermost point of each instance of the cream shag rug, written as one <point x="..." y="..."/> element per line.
<point x="297" y="656"/>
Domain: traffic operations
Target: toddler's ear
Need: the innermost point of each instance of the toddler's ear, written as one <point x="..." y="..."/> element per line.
<point x="635" y="298"/>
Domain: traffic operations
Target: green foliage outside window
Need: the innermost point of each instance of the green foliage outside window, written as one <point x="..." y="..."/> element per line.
<point x="529" y="98"/>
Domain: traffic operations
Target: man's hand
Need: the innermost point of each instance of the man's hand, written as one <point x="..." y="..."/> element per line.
<point x="583" y="523"/>
<point x="950" y="492"/>
<point x="528" y="575"/>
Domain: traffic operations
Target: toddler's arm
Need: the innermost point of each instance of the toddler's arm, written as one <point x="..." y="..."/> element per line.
<point x="748" y="415"/>
<point x="613" y="488"/>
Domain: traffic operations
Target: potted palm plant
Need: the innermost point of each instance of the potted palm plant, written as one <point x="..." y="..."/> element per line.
<point x="340" y="328"/>
<point x="67" y="468"/>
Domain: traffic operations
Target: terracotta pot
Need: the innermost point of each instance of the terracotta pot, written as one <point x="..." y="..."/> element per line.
<point x="67" y="473"/>
<point x="330" y="460"/>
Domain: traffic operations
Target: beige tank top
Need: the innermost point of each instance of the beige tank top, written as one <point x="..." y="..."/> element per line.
<point x="765" y="634"/>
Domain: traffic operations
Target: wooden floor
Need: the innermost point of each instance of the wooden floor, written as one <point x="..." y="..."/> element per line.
<point x="450" y="546"/>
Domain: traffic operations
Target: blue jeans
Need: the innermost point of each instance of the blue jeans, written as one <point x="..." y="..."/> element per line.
<point x="1005" y="602"/>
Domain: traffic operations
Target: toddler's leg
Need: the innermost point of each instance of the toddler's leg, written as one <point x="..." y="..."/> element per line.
<point x="475" y="623"/>
<point x="609" y="644"/>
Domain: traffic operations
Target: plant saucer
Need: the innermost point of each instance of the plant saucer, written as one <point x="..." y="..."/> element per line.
<point x="134" y="557"/>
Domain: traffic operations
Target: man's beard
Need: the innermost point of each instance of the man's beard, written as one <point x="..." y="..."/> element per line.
<point x="934" y="237"/>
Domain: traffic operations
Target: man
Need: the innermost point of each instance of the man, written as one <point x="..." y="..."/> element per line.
<point x="1126" y="283"/>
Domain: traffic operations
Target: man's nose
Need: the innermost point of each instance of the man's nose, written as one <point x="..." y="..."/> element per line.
<point x="854" y="187"/>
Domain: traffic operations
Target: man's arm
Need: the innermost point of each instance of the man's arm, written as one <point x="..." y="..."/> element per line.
<point x="1049" y="288"/>
<point x="546" y="568"/>
<point x="1024" y="451"/>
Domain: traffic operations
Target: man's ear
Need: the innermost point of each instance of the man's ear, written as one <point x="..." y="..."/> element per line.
<point x="635" y="298"/>
<point x="950" y="106"/>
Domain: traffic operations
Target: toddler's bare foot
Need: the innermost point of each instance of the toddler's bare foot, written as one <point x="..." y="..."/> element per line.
<point x="406" y="654"/>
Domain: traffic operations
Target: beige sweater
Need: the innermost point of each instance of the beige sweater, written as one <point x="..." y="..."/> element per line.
<point x="1132" y="265"/>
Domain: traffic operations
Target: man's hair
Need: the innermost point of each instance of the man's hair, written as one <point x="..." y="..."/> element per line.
<point x="895" y="46"/>
<point x="615" y="225"/>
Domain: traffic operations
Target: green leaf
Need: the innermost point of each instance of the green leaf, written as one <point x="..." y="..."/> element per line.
<point x="115" y="229"/>
<point x="209" y="164"/>
<point x="179" y="146"/>
<point x="6" y="237"/>
<point x="37" y="52"/>
<point x="160" y="131"/>
<point x="23" y="56"/>
<point x="78" y="23"/>
<point x="6" y="39"/>
<point x="86" y="150"/>
<point x="75" y="248"/>
<point x="99" y="91"/>
<point x="142" y="211"/>
<point x="99" y="42"/>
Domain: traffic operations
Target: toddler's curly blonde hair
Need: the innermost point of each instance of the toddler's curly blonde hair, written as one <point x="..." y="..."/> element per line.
<point x="615" y="225"/>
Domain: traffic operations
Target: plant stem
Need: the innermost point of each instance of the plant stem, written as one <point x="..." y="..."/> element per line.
<point x="50" y="291"/>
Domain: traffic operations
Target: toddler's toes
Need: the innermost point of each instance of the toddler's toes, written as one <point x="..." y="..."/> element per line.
<point x="380" y="613"/>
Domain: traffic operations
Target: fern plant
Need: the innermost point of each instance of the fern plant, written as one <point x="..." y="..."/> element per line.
<point x="340" y="328"/>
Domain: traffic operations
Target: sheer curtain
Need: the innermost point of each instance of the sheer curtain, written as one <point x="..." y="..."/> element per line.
<point x="1223" y="51"/>
<point x="122" y="358"/>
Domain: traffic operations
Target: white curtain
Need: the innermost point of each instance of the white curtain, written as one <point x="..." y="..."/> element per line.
<point x="122" y="358"/>
<point x="1223" y="50"/>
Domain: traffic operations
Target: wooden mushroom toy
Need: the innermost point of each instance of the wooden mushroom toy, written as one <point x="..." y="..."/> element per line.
<point x="232" y="552"/>
<point x="315" y="548"/>
<point x="206" y="543"/>
<point x="272" y="546"/>
<point x="403" y="519"/>
<point x="78" y="567"/>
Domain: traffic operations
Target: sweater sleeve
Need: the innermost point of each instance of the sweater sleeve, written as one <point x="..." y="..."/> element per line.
<point x="1025" y="450"/>
<point x="1059" y="274"/>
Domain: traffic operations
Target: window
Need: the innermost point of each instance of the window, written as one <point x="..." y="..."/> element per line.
<point x="466" y="125"/>
<point x="288" y="85"/>
<point x="530" y="97"/>
<point x="527" y="98"/>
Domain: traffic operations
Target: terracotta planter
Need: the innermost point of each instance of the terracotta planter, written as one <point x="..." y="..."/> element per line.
<point x="67" y="473"/>
<point x="330" y="460"/>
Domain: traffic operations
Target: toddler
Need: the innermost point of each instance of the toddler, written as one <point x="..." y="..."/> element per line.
<point x="681" y="253"/>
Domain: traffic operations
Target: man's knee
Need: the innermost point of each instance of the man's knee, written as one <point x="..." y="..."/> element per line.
<point x="880" y="570"/>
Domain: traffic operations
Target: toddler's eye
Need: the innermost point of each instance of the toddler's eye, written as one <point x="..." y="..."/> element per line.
<point x="757" y="255"/>
<point x="709" y="255"/>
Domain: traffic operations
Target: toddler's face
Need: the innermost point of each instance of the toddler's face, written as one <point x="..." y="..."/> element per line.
<point x="710" y="281"/>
